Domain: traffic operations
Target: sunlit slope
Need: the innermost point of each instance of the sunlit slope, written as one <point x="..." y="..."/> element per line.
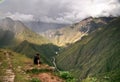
<point x="70" y="34"/>
<point x="16" y="36"/>
<point x="14" y="32"/>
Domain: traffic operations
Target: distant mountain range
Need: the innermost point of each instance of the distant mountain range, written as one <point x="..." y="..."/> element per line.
<point x="38" y="26"/>
<point x="96" y="56"/>
<point x="70" y="34"/>
<point x="89" y="49"/>
<point x="20" y="32"/>
<point x="18" y="37"/>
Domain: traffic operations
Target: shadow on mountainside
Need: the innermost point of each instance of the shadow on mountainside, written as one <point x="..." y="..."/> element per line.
<point x="6" y="37"/>
<point x="47" y="51"/>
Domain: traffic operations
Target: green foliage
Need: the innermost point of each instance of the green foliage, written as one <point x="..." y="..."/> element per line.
<point x="66" y="76"/>
<point x="18" y="63"/>
<point x="37" y="71"/>
<point x="113" y="76"/>
<point x="35" y="80"/>
<point x="47" y="51"/>
<point x="97" y="53"/>
<point x="92" y="79"/>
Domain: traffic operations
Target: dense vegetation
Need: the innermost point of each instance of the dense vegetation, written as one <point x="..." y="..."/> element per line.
<point x="47" y="51"/>
<point x="95" y="58"/>
<point x="97" y="53"/>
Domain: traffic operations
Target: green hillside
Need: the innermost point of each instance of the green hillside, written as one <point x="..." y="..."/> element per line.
<point x="16" y="36"/>
<point x="13" y="65"/>
<point x="95" y="54"/>
<point x="6" y="38"/>
<point x="47" y="51"/>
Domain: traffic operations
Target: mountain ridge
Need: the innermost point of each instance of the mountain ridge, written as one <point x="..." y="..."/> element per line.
<point x="21" y="32"/>
<point x="18" y="37"/>
<point x="97" y="53"/>
<point x="73" y="33"/>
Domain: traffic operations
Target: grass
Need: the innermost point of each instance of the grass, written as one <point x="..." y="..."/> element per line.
<point x="35" y="80"/>
<point x="4" y="64"/>
<point x="113" y="76"/>
<point x="47" y="51"/>
<point x="67" y="76"/>
<point x="97" y="53"/>
<point x="37" y="71"/>
<point x="18" y="63"/>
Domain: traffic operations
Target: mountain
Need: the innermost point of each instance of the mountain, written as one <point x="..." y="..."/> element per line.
<point x="47" y="51"/>
<point x="38" y="26"/>
<point x="17" y="32"/>
<point x="96" y="56"/>
<point x="18" y="37"/>
<point x="68" y="35"/>
<point x="15" y="67"/>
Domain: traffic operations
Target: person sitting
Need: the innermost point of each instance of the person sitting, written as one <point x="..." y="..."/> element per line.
<point x="37" y="59"/>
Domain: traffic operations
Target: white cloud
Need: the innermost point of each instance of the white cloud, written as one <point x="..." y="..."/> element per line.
<point x="21" y="17"/>
<point x="60" y="10"/>
<point x="95" y="8"/>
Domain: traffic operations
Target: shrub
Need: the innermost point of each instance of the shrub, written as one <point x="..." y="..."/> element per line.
<point x="67" y="76"/>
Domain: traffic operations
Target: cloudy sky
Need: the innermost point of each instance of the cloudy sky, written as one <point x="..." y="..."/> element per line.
<point x="58" y="11"/>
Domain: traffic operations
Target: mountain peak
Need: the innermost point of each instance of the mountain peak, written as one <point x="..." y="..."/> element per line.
<point x="11" y="25"/>
<point x="76" y="31"/>
<point x="8" y="19"/>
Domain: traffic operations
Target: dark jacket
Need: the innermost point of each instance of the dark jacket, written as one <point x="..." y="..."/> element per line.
<point x="36" y="59"/>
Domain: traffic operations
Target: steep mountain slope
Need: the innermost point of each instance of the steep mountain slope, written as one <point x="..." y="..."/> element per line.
<point x="6" y="37"/>
<point x="47" y="51"/>
<point x="15" y="35"/>
<point x="73" y="33"/>
<point x="19" y="32"/>
<point x="98" y="53"/>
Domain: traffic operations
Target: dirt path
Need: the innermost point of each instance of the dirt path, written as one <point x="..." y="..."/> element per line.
<point x="48" y="77"/>
<point x="9" y="74"/>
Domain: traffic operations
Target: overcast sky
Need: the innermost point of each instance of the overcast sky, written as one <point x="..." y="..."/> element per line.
<point x="59" y="11"/>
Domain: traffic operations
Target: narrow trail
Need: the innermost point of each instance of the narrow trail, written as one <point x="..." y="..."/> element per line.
<point x="9" y="74"/>
<point x="46" y="76"/>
